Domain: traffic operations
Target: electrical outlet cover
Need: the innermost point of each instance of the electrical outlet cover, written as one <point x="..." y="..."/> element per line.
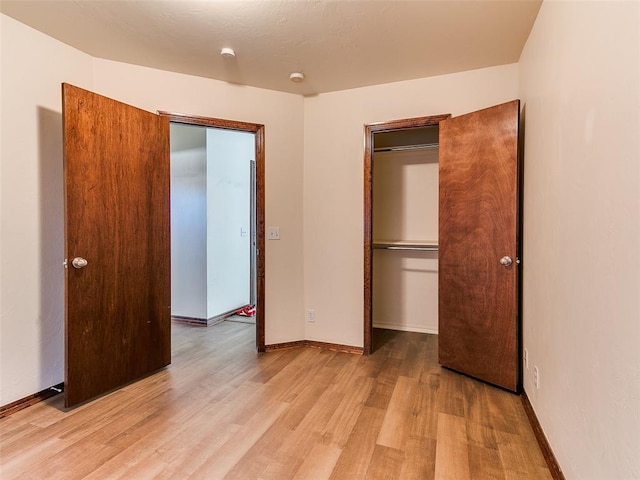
<point x="273" y="233"/>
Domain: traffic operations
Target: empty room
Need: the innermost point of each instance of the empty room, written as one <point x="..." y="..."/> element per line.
<point x="439" y="239"/>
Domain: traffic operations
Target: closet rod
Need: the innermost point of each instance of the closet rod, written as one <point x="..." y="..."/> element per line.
<point x="426" y="248"/>
<point x="421" y="146"/>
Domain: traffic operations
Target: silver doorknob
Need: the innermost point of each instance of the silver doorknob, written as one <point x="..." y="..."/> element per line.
<point x="79" y="262"/>
<point x="506" y="261"/>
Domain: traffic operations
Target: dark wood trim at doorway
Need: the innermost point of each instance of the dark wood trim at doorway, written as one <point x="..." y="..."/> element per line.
<point x="335" y="347"/>
<point x="369" y="130"/>
<point x="258" y="130"/>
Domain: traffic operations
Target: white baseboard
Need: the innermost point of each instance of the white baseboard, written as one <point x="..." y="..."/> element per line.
<point x="406" y="328"/>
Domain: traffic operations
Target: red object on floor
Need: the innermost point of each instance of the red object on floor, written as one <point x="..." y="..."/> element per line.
<point x="247" y="311"/>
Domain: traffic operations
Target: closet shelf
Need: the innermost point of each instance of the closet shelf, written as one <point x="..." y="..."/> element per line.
<point x="405" y="245"/>
<point x="399" y="148"/>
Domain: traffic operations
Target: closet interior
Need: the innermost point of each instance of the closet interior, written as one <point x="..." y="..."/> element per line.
<point x="405" y="229"/>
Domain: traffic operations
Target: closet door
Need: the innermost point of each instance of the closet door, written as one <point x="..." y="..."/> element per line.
<point x="478" y="326"/>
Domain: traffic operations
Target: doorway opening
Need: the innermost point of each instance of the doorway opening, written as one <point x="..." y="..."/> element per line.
<point x="401" y="226"/>
<point x="217" y="221"/>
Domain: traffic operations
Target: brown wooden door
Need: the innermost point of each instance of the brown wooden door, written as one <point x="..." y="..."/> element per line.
<point x="478" y="331"/>
<point x="116" y="163"/>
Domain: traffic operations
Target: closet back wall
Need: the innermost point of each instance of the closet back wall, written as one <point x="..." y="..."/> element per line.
<point x="405" y="208"/>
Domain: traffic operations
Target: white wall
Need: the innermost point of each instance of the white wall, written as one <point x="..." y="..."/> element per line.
<point x="333" y="181"/>
<point x="31" y="239"/>
<point x="229" y="154"/>
<point x="31" y="251"/>
<point x="188" y="222"/>
<point x="580" y="87"/>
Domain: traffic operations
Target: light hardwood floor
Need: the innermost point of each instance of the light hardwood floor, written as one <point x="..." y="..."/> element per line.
<point x="223" y="411"/>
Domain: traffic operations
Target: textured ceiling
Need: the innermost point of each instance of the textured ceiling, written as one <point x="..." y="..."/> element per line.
<point x="337" y="44"/>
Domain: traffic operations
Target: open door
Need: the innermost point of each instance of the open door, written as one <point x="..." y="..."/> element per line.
<point x="478" y="331"/>
<point x="117" y="244"/>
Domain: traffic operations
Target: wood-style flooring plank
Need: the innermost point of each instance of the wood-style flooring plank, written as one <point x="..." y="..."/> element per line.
<point x="386" y="463"/>
<point x="224" y="459"/>
<point x="76" y="461"/>
<point x="419" y="459"/>
<point x="519" y="460"/>
<point x="424" y="409"/>
<point x="260" y="458"/>
<point x="451" y="393"/>
<point x="452" y="455"/>
<point x="485" y="463"/>
<point x="338" y="429"/>
<point x="358" y="451"/>
<point x="398" y="418"/>
<point x="319" y="463"/>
